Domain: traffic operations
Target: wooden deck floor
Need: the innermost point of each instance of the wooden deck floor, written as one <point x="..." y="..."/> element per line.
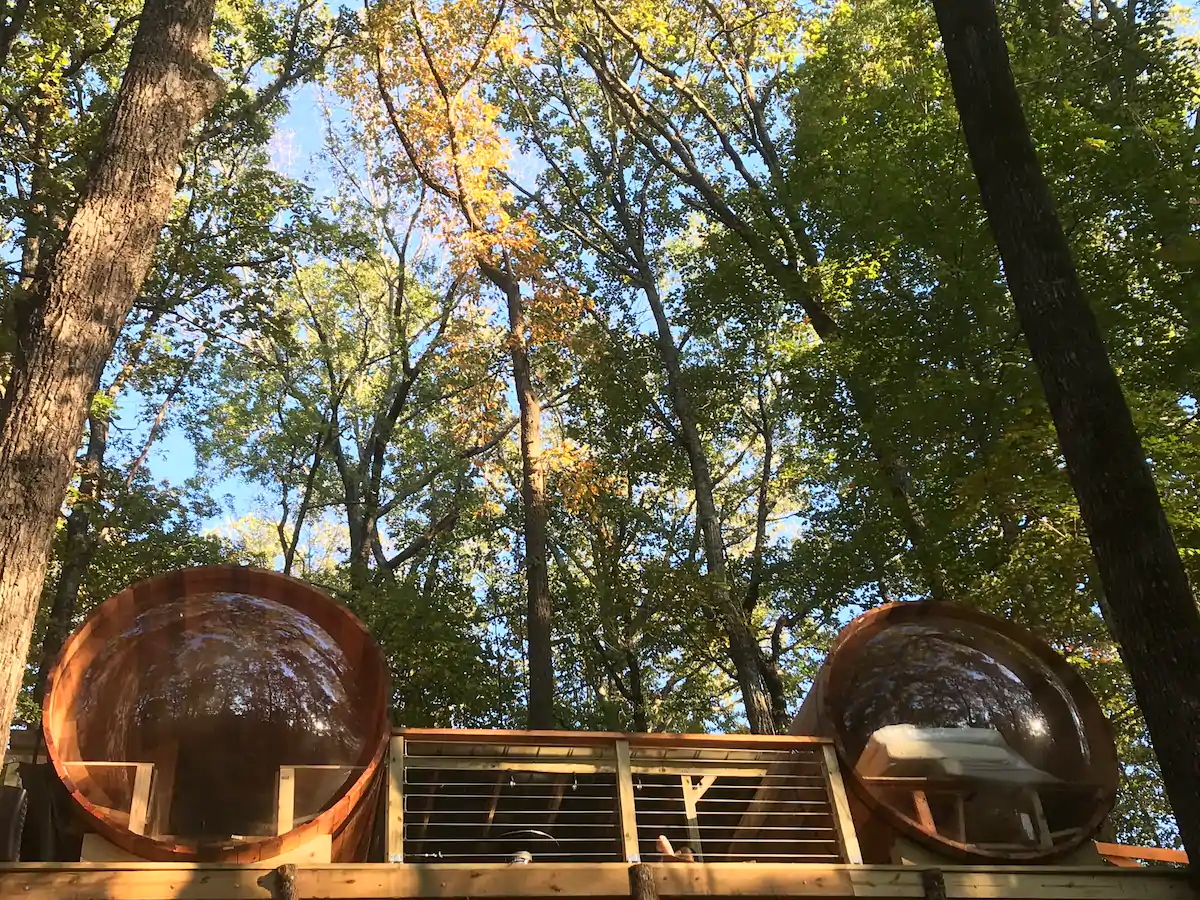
<point x="168" y="881"/>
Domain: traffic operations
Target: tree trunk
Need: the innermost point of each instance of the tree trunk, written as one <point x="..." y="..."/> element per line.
<point x="77" y="556"/>
<point x="81" y="303"/>
<point x="1153" y="613"/>
<point x="9" y="31"/>
<point x="744" y="649"/>
<point x="81" y="540"/>
<point x="536" y="512"/>
<point x="360" y="548"/>
<point x="637" y="692"/>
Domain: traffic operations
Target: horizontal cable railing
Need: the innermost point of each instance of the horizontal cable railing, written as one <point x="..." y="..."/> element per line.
<point x="481" y="797"/>
<point x="736" y="805"/>
<point x="489" y="802"/>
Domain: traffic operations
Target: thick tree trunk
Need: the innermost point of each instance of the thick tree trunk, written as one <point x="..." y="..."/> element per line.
<point x="82" y="540"/>
<point x="536" y="512"/>
<point x="360" y="548"/>
<point x="1153" y="613"/>
<point x="637" y="692"/>
<point x="81" y="304"/>
<point x="744" y="649"/>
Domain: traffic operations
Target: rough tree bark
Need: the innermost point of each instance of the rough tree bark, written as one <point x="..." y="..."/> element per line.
<point x="82" y="539"/>
<point x="80" y="303"/>
<point x="1152" y="611"/>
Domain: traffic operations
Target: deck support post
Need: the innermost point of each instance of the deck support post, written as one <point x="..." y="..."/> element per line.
<point x="641" y="883"/>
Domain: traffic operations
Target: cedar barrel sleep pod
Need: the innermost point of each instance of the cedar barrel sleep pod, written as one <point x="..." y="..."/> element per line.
<point x="962" y="734"/>
<point x="221" y="714"/>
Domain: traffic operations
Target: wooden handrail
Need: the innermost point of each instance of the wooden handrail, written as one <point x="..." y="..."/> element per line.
<point x="605" y="738"/>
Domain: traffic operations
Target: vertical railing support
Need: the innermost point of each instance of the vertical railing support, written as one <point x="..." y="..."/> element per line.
<point x="139" y="808"/>
<point x="842" y="821"/>
<point x="625" y="803"/>
<point x="285" y="814"/>
<point x="693" y="792"/>
<point x="395" y="800"/>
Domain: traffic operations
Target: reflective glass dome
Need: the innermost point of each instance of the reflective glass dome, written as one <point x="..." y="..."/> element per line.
<point x="947" y="673"/>
<point x="218" y="691"/>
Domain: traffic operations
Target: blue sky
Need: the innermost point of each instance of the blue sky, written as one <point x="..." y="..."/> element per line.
<point x="297" y="143"/>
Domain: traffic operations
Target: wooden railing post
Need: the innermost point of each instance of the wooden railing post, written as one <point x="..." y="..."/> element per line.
<point x="395" y="800"/>
<point x="842" y="821"/>
<point x="139" y="808"/>
<point x="625" y="804"/>
<point x="285" y="813"/>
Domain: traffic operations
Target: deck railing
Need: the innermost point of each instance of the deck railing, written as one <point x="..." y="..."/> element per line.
<point x="483" y="796"/>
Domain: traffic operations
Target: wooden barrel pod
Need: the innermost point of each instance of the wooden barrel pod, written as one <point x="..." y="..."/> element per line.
<point x="221" y="714"/>
<point x="963" y="733"/>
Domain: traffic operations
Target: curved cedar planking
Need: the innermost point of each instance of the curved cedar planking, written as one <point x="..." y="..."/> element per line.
<point x="347" y="819"/>
<point x="878" y="822"/>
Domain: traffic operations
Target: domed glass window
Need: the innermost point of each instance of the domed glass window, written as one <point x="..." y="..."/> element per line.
<point x="954" y="674"/>
<point x="221" y="698"/>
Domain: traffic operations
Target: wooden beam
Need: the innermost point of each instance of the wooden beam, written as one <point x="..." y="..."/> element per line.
<point x="165" y="758"/>
<point x="960" y="819"/>
<point x="924" y="813"/>
<point x="184" y="881"/>
<point x="95" y="849"/>
<point x="1041" y="828"/>
<point x="395" y="801"/>
<point x="1036" y="883"/>
<point x="843" y="822"/>
<point x="626" y="804"/>
<point x="692" y="792"/>
<point x="497" y="787"/>
<point x="700" y="767"/>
